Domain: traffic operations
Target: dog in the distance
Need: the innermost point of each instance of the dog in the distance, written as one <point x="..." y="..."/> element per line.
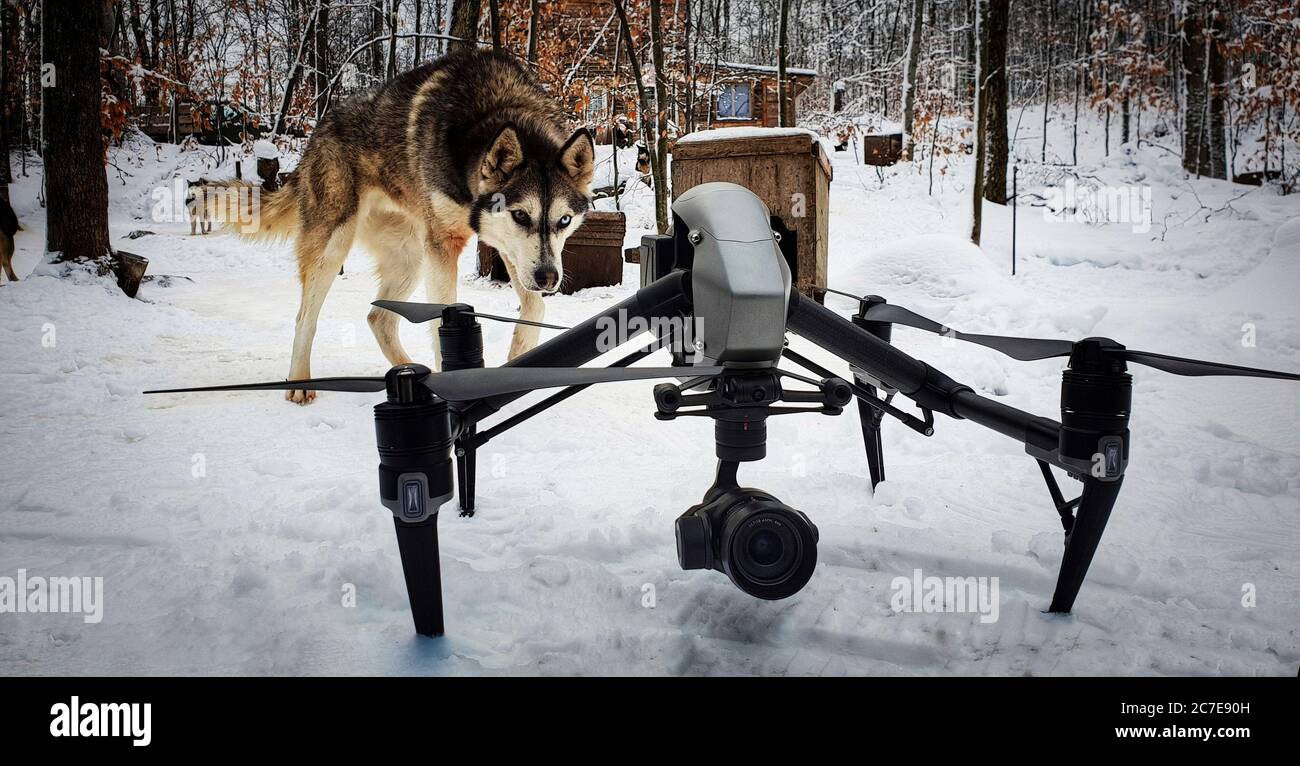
<point x="200" y="215"/>
<point x="8" y="227"/>
<point x="469" y="144"/>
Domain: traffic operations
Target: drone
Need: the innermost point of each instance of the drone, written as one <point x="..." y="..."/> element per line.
<point x="725" y="268"/>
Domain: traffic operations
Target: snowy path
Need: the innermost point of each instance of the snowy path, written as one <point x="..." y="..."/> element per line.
<point x="242" y="569"/>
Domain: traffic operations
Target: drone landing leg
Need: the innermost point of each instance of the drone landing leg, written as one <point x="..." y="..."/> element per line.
<point x="1081" y="543"/>
<point x="460" y="338"/>
<point x="418" y="545"/>
<point x="871" y="418"/>
<point x="466" y="467"/>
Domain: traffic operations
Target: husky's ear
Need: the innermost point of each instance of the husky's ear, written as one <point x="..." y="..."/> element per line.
<point x="501" y="159"/>
<point x="578" y="157"/>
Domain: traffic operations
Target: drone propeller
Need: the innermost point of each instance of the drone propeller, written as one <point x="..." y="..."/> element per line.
<point x="1033" y="349"/>
<point x="1195" y="367"/>
<point x="426" y="312"/>
<point x="475" y="383"/>
<point x="348" y="385"/>
<point x="1024" y="349"/>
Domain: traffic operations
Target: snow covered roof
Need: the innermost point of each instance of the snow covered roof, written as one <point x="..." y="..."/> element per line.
<point x="722" y="134"/>
<point x="767" y="69"/>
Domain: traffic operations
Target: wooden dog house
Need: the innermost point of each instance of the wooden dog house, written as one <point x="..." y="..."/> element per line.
<point x="593" y="255"/>
<point x="787" y="168"/>
<point x="882" y="149"/>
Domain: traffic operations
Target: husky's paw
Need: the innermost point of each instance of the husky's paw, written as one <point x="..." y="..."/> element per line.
<point x="298" y="396"/>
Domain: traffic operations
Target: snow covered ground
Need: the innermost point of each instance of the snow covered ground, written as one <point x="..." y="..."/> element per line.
<point x="228" y="528"/>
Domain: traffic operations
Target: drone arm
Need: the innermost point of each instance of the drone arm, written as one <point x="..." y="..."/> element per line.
<point x="915" y="379"/>
<point x="1041" y="436"/>
<point x="664" y="298"/>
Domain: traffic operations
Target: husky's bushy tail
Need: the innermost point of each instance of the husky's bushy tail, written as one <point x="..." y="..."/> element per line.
<point x="275" y="212"/>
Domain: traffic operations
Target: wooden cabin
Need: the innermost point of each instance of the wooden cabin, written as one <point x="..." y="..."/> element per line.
<point x="745" y="95"/>
<point x="581" y="38"/>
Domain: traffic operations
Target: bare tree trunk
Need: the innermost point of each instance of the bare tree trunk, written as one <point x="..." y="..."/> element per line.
<point x="155" y="34"/>
<point x="660" y="158"/>
<point x="1195" y="149"/>
<point x="1216" y="78"/>
<point x="392" y="40"/>
<point x="376" y="32"/>
<point x="137" y="20"/>
<point x="613" y="103"/>
<point x="7" y="19"/>
<point x="981" y="98"/>
<point x="995" y="119"/>
<point x="464" y="23"/>
<point x="76" y="187"/>
<point x="534" y="8"/>
<point x="782" y="81"/>
<point x="419" y="9"/>
<point x="321" y="58"/>
<point x="1079" y="75"/>
<point x="1047" y="89"/>
<point x="688" y="65"/>
<point x="494" y="15"/>
<point x="295" y="72"/>
<point x="1106" y="92"/>
<point x="972" y="49"/>
<point x="1125" y="115"/>
<point x="635" y="65"/>
<point x="909" y="76"/>
<point x="656" y="170"/>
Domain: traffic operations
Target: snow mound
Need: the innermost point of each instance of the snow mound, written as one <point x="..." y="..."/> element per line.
<point x="265" y="150"/>
<point x="1273" y="285"/>
<point x="928" y="266"/>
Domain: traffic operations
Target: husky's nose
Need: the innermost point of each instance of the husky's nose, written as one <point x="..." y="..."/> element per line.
<point x="546" y="277"/>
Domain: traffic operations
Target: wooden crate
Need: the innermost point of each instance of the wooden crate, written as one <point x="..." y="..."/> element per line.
<point x="593" y="255"/>
<point x="882" y="149"/>
<point x="788" y="170"/>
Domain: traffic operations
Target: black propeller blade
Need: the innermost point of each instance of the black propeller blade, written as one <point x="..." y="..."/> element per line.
<point x="479" y="383"/>
<point x="1195" y="367"/>
<point x="1024" y="349"/>
<point x="1032" y="349"/>
<point x="427" y="312"/>
<point x="348" y="385"/>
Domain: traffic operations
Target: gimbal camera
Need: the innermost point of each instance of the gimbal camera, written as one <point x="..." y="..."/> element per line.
<point x="724" y="270"/>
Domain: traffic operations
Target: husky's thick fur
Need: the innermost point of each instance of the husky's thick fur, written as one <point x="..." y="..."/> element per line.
<point x="469" y="144"/>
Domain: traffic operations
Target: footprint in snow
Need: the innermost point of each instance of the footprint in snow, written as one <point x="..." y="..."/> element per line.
<point x="549" y="572"/>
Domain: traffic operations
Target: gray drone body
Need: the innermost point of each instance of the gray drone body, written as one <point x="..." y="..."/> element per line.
<point x="740" y="282"/>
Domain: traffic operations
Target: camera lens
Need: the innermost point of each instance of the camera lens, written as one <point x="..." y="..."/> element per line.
<point x="767" y="548"/>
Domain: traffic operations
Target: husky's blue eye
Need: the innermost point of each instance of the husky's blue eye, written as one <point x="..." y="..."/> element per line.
<point x="520" y="217"/>
<point x="565" y="220"/>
